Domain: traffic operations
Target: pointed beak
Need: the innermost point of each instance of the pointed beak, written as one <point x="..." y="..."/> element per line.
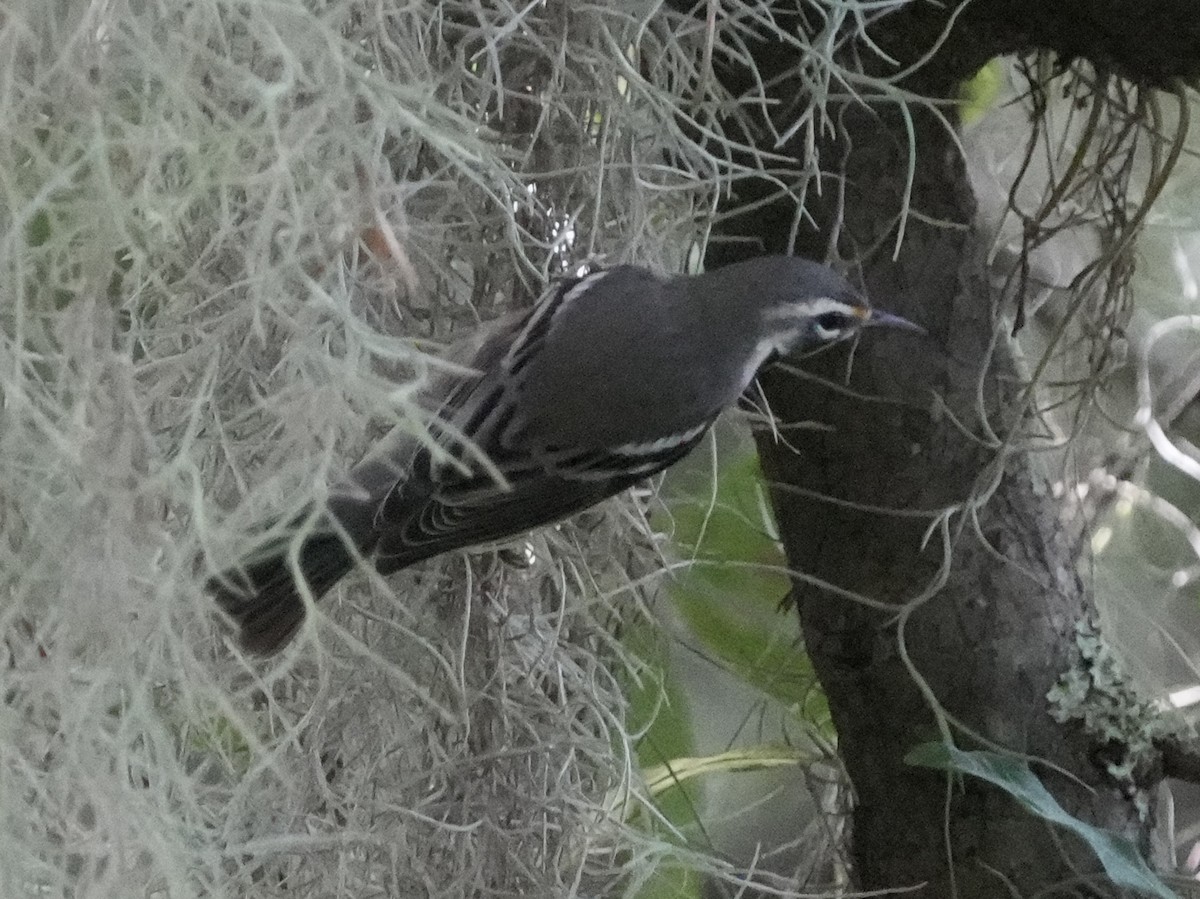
<point x="879" y="317"/>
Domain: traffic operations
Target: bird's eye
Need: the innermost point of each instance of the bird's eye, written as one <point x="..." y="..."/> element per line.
<point x="829" y="325"/>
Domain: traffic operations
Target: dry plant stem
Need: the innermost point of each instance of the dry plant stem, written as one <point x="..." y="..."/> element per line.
<point x="229" y="234"/>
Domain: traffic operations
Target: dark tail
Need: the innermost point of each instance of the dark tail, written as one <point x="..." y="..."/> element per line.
<point x="262" y="597"/>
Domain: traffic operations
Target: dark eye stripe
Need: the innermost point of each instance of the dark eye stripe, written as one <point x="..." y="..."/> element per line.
<point x="832" y="321"/>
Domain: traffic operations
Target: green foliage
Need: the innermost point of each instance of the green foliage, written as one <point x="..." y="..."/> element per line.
<point x="672" y="882"/>
<point x="979" y="93"/>
<point x="731" y="597"/>
<point x="729" y="601"/>
<point x="1118" y="855"/>
<point x="658" y="710"/>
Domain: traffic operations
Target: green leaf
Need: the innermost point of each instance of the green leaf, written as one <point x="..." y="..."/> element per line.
<point x="659" y="711"/>
<point x="979" y="93"/>
<point x="672" y="882"/>
<point x="1120" y="858"/>
<point x="730" y="598"/>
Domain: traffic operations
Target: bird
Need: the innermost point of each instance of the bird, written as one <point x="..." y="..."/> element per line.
<point x="608" y="379"/>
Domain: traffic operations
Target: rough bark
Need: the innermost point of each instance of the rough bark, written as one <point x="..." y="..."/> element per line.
<point x="1001" y="631"/>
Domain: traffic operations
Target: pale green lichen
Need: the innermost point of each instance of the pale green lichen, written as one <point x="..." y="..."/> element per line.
<point x="1099" y="694"/>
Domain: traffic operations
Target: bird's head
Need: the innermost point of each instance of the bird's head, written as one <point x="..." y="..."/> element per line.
<point x="806" y="304"/>
<point x="812" y="321"/>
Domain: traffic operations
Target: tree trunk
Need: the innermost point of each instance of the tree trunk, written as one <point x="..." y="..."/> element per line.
<point x="999" y="628"/>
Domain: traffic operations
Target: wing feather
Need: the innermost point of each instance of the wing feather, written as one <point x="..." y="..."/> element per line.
<point x="419" y="521"/>
<point x="440" y="507"/>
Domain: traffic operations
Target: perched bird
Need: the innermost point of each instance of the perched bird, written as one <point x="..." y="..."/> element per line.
<point x="608" y="379"/>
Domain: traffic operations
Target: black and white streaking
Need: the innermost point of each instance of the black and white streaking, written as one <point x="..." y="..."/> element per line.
<point x="609" y="379"/>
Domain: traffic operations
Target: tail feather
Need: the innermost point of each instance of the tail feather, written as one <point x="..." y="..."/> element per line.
<point x="262" y="597"/>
